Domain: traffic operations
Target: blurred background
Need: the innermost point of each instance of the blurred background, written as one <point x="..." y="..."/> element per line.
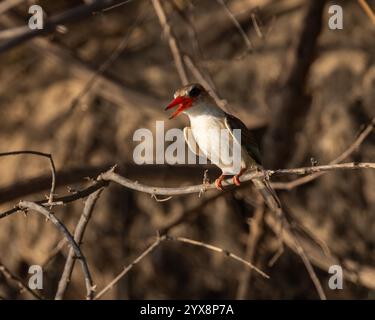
<point x="81" y="89"/>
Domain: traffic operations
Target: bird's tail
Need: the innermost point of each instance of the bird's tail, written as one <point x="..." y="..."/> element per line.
<point x="269" y="195"/>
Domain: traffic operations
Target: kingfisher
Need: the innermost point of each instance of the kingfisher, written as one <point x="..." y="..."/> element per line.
<point x="207" y="117"/>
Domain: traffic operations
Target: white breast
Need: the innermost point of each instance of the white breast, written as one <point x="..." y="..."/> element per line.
<point x="216" y="142"/>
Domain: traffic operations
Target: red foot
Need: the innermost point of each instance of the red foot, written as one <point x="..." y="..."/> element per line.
<point x="218" y="184"/>
<point x="236" y="179"/>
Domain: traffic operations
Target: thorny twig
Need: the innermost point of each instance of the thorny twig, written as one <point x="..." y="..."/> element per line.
<point x="41" y="154"/>
<point x="27" y="205"/>
<point x="78" y="236"/>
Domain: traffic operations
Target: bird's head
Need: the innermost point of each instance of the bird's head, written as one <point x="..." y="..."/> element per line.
<point x="186" y="98"/>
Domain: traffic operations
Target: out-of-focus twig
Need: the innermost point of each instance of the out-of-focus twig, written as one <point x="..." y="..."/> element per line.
<point x="367" y="9"/>
<point x="305" y="259"/>
<point x="6" y="5"/>
<point x="163" y="238"/>
<point x="255" y="231"/>
<point x="292" y="102"/>
<point x="237" y="25"/>
<point x="353" y="271"/>
<point x="130" y="266"/>
<point x="23" y="287"/>
<point x="207" y="83"/>
<point x="71" y="15"/>
<point x="106" y="64"/>
<point x="172" y="41"/>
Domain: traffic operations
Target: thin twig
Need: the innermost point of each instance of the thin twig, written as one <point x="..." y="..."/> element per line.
<point x="237" y="25"/>
<point x="53" y="253"/>
<point x="9" y="275"/>
<point x="130" y="266"/>
<point x="62" y="200"/>
<point x="367" y="9"/>
<point x="163" y="238"/>
<point x="78" y="236"/>
<point x="41" y="154"/>
<point x="347" y="152"/>
<point x="207" y="83"/>
<point x="71" y="15"/>
<point x="218" y="249"/>
<point x="27" y="205"/>
<point x="172" y="41"/>
<point x="106" y="64"/>
<point x="6" y="5"/>
<point x="306" y="261"/>
<point x="255" y="231"/>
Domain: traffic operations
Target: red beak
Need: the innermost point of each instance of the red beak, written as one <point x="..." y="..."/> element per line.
<point x="182" y="102"/>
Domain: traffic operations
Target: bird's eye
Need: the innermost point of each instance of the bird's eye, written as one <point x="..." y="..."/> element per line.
<point x="194" y="92"/>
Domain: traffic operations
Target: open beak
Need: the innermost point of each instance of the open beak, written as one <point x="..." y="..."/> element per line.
<point x="182" y="103"/>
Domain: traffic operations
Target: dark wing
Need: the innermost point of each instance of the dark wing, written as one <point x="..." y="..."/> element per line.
<point x="247" y="139"/>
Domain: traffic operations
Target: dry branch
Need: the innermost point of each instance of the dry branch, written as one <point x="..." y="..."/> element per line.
<point x="353" y="271"/>
<point x="71" y="15"/>
<point x="23" y="287"/>
<point x="27" y="205"/>
<point x="353" y="147"/>
<point x="255" y="232"/>
<point x="163" y="238"/>
<point x="110" y="176"/>
<point x="237" y="25"/>
<point x="78" y="236"/>
<point x="367" y="9"/>
<point x="9" y="4"/>
<point x="173" y="44"/>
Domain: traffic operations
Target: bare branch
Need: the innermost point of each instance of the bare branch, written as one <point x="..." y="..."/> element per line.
<point x="130" y="266"/>
<point x="353" y="147"/>
<point x="9" y="275"/>
<point x="218" y="249"/>
<point x="61" y="227"/>
<point x="9" y="4"/>
<point x="70" y="15"/>
<point x="305" y="259"/>
<point x="367" y="9"/>
<point x="106" y="64"/>
<point x="78" y="235"/>
<point x="237" y="25"/>
<point x="172" y="41"/>
<point x="353" y="271"/>
<point x="163" y="238"/>
<point x="207" y="83"/>
<point x="255" y="231"/>
<point x="110" y="175"/>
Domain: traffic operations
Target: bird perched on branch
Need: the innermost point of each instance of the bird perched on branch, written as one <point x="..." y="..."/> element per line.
<point x="205" y="137"/>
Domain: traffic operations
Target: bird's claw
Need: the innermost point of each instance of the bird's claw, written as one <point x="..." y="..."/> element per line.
<point x="218" y="184"/>
<point x="236" y="180"/>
